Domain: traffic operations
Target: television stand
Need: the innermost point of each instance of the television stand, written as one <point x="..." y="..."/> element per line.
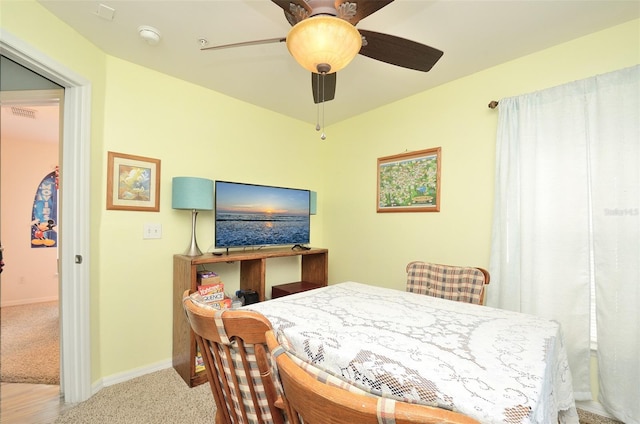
<point x="314" y="273"/>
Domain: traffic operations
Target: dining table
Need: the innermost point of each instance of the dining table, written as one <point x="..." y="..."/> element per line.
<point x="494" y="365"/>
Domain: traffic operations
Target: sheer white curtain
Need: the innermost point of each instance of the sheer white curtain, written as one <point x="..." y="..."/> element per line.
<point x="566" y="216"/>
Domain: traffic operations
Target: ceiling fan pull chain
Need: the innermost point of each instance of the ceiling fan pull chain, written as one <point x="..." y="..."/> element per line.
<point x="323" y="136"/>
<point x="318" y="105"/>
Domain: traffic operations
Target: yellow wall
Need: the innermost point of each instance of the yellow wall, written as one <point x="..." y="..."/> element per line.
<point x="194" y="132"/>
<point x="33" y="24"/>
<point x="374" y="248"/>
<point x="197" y="132"/>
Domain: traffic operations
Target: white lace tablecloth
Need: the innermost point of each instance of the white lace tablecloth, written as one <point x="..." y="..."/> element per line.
<point x="493" y="365"/>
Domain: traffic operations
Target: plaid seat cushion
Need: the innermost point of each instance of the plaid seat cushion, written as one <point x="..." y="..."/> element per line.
<point x="462" y="284"/>
<point x="242" y="401"/>
<point x="232" y="369"/>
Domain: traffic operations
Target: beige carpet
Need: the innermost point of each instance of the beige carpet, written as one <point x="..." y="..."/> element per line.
<point x="29" y="343"/>
<point x="590" y="418"/>
<point x="159" y="397"/>
<point x="162" y="397"/>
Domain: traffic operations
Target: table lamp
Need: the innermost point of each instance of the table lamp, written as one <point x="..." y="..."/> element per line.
<point x="194" y="194"/>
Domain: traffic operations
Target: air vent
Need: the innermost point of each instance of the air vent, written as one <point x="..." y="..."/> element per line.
<point x="23" y="112"/>
<point x="105" y="12"/>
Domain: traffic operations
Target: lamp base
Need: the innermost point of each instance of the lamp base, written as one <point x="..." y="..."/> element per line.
<point x="193" y="249"/>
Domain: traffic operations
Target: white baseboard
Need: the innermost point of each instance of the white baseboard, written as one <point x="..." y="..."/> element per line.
<point x="594" y="407"/>
<point x="28" y="301"/>
<point x="128" y="375"/>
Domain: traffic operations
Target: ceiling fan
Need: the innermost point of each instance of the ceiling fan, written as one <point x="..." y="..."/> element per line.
<point x="314" y="22"/>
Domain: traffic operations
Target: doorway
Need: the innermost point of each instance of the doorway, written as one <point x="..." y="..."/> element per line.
<point x="30" y="111"/>
<point x="74" y="259"/>
<point x="29" y="289"/>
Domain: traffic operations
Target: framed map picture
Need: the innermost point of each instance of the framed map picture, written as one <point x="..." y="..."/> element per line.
<point x="409" y="182"/>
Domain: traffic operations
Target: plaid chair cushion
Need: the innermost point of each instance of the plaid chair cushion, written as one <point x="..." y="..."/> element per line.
<point x="231" y="360"/>
<point x="462" y="284"/>
<point x="242" y="401"/>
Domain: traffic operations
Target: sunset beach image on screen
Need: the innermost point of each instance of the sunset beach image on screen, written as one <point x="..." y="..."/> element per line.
<point x="260" y="215"/>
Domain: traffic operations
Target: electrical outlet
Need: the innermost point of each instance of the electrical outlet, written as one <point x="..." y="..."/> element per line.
<point x="152" y="231"/>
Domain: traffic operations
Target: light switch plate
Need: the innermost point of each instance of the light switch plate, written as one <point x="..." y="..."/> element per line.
<point x="152" y="231"/>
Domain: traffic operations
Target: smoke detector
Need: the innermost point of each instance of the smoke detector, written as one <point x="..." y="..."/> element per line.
<point x="149" y="34"/>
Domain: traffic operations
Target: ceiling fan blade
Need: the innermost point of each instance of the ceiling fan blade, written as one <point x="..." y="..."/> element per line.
<point x="323" y="87"/>
<point x="364" y="8"/>
<point x="399" y="51"/>
<point x="246" y="43"/>
<point x="294" y="10"/>
<point x="286" y="4"/>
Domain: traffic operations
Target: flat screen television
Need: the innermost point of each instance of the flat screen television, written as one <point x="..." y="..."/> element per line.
<point x="260" y="215"/>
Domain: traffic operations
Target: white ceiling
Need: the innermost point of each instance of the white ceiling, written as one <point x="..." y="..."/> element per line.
<point x="474" y="35"/>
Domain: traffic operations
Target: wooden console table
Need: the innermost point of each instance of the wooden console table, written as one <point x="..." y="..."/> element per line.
<point x="314" y="271"/>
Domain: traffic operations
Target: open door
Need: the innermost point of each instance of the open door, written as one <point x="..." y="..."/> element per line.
<point x="74" y="259"/>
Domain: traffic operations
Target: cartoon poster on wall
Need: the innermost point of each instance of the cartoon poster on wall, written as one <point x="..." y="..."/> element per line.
<point x="44" y="218"/>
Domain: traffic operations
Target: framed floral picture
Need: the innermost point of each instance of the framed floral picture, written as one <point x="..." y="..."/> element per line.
<point x="133" y="183"/>
<point x="409" y="182"/>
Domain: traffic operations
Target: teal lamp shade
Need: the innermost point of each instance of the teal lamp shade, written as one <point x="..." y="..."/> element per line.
<point x="193" y="194"/>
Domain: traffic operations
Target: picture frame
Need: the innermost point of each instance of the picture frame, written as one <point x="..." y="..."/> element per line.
<point x="409" y="182"/>
<point x="133" y="183"/>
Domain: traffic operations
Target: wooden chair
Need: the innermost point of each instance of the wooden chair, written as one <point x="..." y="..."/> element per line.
<point x="238" y="364"/>
<point x="313" y="401"/>
<point x="459" y="283"/>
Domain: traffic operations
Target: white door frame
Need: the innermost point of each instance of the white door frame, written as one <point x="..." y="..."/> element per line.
<point x="75" y="373"/>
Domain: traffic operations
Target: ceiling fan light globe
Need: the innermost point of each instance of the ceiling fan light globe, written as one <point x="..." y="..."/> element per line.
<point x="323" y="40"/>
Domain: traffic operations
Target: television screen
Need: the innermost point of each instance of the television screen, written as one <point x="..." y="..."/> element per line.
<point x="259" y="215"/>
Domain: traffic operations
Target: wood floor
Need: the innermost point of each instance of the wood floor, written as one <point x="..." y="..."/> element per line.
<point x="30" y="403"/>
